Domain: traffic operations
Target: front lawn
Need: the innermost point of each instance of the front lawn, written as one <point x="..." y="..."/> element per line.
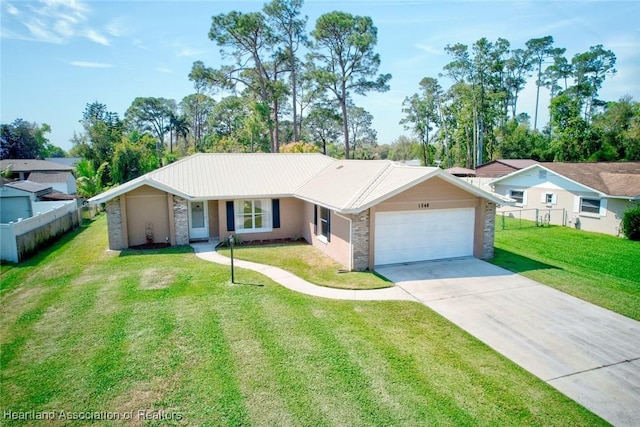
<point x="106" y="334"/>
<point x="307" y="262"/>
<point x="601" y="269"/>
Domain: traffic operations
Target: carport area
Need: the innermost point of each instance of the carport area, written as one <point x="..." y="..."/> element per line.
<point x="588" y="353"/>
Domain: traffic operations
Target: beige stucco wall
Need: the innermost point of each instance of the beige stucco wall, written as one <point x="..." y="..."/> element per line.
<point x="146" y="205"/>
<point x="338" y="248"/>
<point x="433" y="194"/>
<point x="291" y="222"/>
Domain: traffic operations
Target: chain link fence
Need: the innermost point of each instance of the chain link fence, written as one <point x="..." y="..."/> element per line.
<point x="525" y="218"/>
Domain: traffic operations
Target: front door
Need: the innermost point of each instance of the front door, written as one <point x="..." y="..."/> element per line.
<point x="198" y="224"/>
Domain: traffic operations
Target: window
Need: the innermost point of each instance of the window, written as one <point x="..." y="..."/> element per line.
<point x="322" y="223"/>
<point x="590" y="205"/>
<point x="549" y="198"/>
<point x="518" y="196"/>
<point x="252" y="216"/>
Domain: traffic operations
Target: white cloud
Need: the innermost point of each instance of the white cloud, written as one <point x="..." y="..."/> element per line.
<point x="187" y="52"/>
<point x="116" y="27"/>
<point x="163" y="69"/>
<point x="51" y="21"/>
<point x="87" y="64"/>
<point x="429" y="49"/>
<point x="96" y="37"/>
<point x="11" y="10"/>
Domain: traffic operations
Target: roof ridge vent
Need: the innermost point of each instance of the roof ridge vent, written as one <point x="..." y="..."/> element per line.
<point x="372" y="184"/>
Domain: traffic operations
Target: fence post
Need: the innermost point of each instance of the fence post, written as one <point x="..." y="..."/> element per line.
<point x="537" y="217"/>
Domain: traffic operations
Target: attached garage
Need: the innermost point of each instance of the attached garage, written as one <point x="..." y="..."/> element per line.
<point x="411" y="236"/>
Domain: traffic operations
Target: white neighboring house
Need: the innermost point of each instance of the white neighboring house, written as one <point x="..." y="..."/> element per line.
<point x="56" y="175"/>
<point x="587" y="196"/>
<point x="61" y="181"/>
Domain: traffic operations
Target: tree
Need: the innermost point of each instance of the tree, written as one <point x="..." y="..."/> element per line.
<point x="518" y="67"/>
<point x="103" y="129"/>
<point x="619" y="125"/>
<point x="404" y="148"/>
<point x="151" y="115"/>
<point x="258" y="66"/>
<point x="197" y="107"/>
<point x="89" y="178"/>
<point x="344" y="60"/>
<point x="323" y="126"/>
<point x="24" y="140"/>
<point x="289" y="31"/>
<point x="539" y="50"/>
<point x="363" y="136"/>
<point x="133" y="156"/>
<point x="574" y="139"/>
<point x="422" y="113"/>
<point x="590" y="69"/>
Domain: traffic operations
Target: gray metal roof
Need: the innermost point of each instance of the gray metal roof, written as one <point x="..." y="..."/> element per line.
<point x="346" y="186"/>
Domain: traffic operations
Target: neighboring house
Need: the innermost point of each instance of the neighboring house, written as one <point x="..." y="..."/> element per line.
<point x="67" y="161"/>
<point x="58" y="176"/>
<point x="62" y="181"/>
<point x="14" y="203"/>
<point x="591" y="196"/>
<point x="502" y="167"/>
<point x="18" y="199"/>
<point x="461" y="172"/>
<point x="362" y="213"/>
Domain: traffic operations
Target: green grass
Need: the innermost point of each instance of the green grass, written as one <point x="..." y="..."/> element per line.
<point x="83" y="329"/>
<point x="601" y="269"/>
<point x="307" y="262"/>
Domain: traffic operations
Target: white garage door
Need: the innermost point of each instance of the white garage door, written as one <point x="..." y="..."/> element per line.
<point x="423" y="235"/>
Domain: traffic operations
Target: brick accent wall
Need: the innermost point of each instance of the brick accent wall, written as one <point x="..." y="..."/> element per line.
<point x="360" y="224"/>
<point x="114" y="224"/>
<point x="489" y="229"/>
<point x="181" y="220"/>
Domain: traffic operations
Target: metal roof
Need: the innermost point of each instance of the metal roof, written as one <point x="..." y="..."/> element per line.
<point x="347" y="186"/>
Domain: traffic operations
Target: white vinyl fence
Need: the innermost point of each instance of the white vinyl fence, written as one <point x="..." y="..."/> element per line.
<point x="20" y="239"/>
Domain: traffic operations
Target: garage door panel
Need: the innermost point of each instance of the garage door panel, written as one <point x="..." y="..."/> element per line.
<point x="412" y="236"/>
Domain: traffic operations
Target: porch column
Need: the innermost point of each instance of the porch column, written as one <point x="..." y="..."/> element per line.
<point x="181" y="220"/>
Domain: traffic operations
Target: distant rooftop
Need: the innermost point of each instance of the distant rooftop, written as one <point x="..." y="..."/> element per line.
<point x="29" y="186"/>
<point x="31" y="165"/>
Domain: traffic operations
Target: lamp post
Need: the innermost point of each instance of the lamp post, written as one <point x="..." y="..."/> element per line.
<point x="231" y="241"/>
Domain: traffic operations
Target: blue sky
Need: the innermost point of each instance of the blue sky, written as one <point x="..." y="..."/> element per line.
<point x="59" y="55"/>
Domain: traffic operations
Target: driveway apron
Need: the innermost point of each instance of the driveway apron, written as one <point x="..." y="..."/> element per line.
<point x="588" y="353"/>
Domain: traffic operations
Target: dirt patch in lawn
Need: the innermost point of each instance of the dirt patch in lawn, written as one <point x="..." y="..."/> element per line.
<point x="157" y="278"/>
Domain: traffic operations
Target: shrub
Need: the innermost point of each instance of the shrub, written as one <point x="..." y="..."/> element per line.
<point x="631" y="223"/>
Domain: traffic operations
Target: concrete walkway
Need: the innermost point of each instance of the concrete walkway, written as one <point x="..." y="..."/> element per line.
<point x="206" y="251"/>
<point x="590" y="354"/>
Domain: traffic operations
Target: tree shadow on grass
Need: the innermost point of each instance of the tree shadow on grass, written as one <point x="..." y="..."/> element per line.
<point x="518" y="263"/>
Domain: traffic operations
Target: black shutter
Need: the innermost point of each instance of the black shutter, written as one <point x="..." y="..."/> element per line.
<point x="275" y="208"/>
<point x="315" y="219"/>
<point x="328" y="225"/>
<point x="231" y="226"/>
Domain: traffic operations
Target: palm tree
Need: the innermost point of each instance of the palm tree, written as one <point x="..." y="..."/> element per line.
<point x="181" y="128"/>
<point x="88" y="179"/>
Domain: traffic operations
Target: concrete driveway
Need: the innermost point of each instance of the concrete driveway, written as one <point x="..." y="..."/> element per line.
<point x="588" y="353"/>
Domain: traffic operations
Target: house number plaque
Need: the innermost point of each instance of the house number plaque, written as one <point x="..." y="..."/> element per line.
<point x="423" y="205"/>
